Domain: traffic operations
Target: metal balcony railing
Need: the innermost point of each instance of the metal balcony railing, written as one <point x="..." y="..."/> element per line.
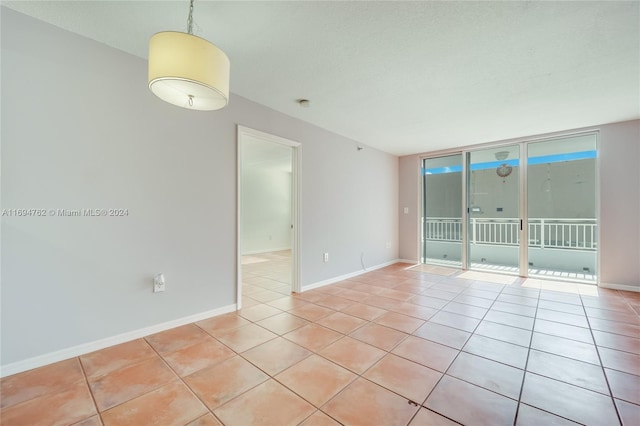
<point x="577" y="234"/>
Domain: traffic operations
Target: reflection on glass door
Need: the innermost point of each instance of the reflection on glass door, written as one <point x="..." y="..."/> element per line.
<point x="493" y="206"/>
<point x="442" y="210"/>
<point x="561" y="188"/>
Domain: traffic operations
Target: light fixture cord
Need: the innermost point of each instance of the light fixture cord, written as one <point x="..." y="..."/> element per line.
<point x="190" y="19"/>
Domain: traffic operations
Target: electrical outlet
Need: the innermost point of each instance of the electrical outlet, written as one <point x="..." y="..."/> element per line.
<point x="326" y="257"/>
<point x="158" y="283"/>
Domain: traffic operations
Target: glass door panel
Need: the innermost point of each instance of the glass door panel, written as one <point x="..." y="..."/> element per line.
<point x="442" y="210"/>
<point x="493" y="206"/>
<point x="561" y="188"/>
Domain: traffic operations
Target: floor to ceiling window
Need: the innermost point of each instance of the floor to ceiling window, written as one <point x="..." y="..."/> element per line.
<point x="493" y="217"/>
<point x="526" y="209"/>
<point x="442" y="210"/>
<point x="561" y="188"/>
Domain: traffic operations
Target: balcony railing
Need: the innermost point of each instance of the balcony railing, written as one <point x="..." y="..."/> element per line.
<point x="578" y="234"/>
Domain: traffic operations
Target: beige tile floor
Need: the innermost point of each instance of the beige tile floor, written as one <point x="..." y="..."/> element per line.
<point x="396" y="346"/>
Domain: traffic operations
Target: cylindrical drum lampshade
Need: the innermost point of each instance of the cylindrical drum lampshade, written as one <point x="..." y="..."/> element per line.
<point x="188" y="71"/>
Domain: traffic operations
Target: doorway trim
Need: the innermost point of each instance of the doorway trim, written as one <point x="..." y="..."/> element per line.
<point x="296" y="157"/>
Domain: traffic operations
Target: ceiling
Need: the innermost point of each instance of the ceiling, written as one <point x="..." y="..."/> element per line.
<point x="403" y="77"/>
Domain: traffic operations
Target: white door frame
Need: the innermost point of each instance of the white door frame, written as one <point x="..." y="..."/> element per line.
<point x="296" y="156"/>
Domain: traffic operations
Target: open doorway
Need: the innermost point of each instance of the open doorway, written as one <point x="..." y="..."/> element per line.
<point x="267" y="217"/>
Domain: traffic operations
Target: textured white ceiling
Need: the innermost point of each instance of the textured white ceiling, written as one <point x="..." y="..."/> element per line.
<point x="403" y="77"/>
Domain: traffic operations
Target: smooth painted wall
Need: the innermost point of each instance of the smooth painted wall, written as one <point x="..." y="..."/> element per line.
<point x="410" y="208"/>
<point x="619" y="201"/>
<point x="80" y="129"/>
<point x="266" y="210"/>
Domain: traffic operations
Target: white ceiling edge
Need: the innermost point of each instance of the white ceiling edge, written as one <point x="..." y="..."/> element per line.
<point x="402" y="77"/>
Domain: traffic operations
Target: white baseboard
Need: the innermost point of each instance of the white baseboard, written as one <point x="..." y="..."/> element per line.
<point x="85" y="348"/>
<point x="624" y="287"/>
<point x="413" y="262"/>
<point x="270" y="250"/>
<point x="347" y="276"/>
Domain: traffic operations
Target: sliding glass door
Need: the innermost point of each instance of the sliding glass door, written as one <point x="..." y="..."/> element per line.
<point x="525" y="209"/>
<point x="561" y="190"/>
<point x="442" y="210"/>
<point x="493" y="211"/>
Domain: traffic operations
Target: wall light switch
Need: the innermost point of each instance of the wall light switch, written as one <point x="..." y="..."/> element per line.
<point x="326" y="257"/>
<point x="158" y="283"/>
<point x="406" y="210"/>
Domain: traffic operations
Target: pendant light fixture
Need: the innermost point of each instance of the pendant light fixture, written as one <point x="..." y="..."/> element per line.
<point x="188" y="71"/>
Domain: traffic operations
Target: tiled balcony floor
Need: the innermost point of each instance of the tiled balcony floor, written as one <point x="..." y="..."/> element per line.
<point x="548" y="274"/>
<point x="396" y="346"/>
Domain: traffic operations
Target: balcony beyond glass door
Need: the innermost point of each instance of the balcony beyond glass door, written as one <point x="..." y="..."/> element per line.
<point x="442" y="210"/>
<point x="561" y="187"/>
<point x="493" y="232"/>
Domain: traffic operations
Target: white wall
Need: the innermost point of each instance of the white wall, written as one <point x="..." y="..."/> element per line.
<point x="620" y="203"/>
<point x="409" y="184"/>
<point x="266" y="210"/>
<point x="619" y="180"/>
<point x="91" y="135"/>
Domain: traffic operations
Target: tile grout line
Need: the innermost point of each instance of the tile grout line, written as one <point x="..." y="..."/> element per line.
<point x="210" y="410"/>
<point x="181" y="379"/>
<point x="387" y="352"/>
<point x="526" y="363"/>
<point x="272" y="377"/>
<point x="93" y="398"/>
<point x="422" y="405"/>
<point x="175" y="373"/>
<point x="138" y="362"/>
<point x="606" y="378"/>
<point x="359" y="375"/>
<point x="459" y="352"/>
<point x="529" y="349"/>
<point x="569" y="358"/>
<point x="474" y="333"/>
<point x="563" y="356"/>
